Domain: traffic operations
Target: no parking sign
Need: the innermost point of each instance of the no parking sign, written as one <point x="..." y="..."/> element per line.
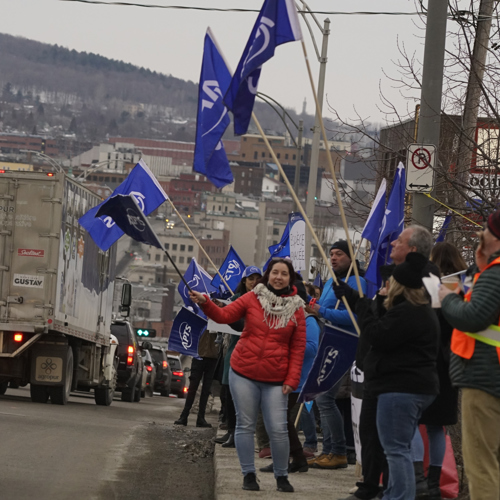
<point x="420" y="162"/>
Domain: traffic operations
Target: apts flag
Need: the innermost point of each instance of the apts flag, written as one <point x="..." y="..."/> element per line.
<point x="196" y="278"/>
<point x="142" y="184"/>
<point x="282" y="249"/>
<point x="277" y="23"/>
<point x="129" y="217"/>
<point x="392" y="226"/>
<point x="186" y="332"/>
<point x="231" y="270"/>
<point x="335" y="356"/>
<point x="212" y="120"/>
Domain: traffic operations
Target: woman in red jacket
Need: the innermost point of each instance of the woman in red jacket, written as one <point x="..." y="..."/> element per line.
<point x="265" y="365"/>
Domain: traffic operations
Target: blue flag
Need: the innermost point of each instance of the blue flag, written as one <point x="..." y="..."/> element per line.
<point x="232" y="268"/>
<point x="212" y="120"/>
<point x="276" y="24"/>
<point x="282" y="249"/>
<point x="335" y="356"/>
<point x="142" y="184"/>
<point x="371" y="231"/>
<point x="196" y="279"/>
<point x="444" y="228"/>
<point x="186" y="332"/>
<point x="128" y="216"/>
<point x="392" y="226"/>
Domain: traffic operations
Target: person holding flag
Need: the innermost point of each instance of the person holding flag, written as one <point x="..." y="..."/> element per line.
<point x="265" y="365"/>
<point x="334" y="454"/>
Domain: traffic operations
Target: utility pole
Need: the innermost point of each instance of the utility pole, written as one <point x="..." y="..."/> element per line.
<point x="467" y="141"/>
<point x="429" y="122"/>
<point x="298" y="163"/>
<point x="313" y="167"/>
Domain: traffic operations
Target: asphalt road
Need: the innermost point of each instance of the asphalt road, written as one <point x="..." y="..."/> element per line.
<point x="84" y="451"/>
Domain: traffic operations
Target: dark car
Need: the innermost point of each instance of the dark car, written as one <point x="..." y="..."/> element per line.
<point x="163" y="380"/>
<point x="130" y="363"/>
<point x="179" y="378"/>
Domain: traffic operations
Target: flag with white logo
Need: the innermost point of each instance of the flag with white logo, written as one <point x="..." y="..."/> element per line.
<point x="444" y="228"/>
<point x="232" y="268"/>
<point x="143" y="185"/>
<point x="128" y="216"/>
<point x="197" y="281"/>
<point x="212" y="120"/>
<point x="335" y="356"/>
<point x="282" y="249"/>
<point x="186" y="332"/>
<point x="277" y="23"/>
<point x="391" y="227"/>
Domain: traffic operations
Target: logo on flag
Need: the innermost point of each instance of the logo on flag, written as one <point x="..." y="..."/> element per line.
<point x="232" y="268"/>
<point x="186" y="332"/>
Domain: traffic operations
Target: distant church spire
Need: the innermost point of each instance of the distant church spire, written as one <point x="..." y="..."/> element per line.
<point x="304" y="106"/>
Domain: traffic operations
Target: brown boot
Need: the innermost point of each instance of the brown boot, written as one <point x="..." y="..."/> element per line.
<point x="313" y="460"/>
<point x="332" y="462"/>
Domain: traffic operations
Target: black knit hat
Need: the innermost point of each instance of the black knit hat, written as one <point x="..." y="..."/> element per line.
<point x="409" y="273"/>
<point x="341" y="245"/>
<point x="494" y="224"/>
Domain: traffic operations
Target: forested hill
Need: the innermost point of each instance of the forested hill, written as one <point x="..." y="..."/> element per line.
<point x="91" y="96"/>
<point x="30" y="64"/>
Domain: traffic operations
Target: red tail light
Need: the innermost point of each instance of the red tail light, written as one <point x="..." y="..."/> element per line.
<point x="185" y="389"/>
<point x="2" y="171"/>
<point x="130" y="360"/>
<point x="18" y="337"/>
<point x="165" y="364"/>
<point x="130" y="349"/>
<point x="178" y="374"/>
<point x="50" y="174"/>
<point x="149" y="368"/>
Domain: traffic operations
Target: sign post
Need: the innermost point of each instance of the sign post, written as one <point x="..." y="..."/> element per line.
<point x="297" y="240"/>
<point x="420" y="161"/>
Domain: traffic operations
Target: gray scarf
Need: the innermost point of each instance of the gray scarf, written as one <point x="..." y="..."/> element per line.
<point x="278" y="311"/>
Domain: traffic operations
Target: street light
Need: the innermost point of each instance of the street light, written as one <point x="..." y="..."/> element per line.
<point x="53" y="162"/>
<point x="94" y="168"/>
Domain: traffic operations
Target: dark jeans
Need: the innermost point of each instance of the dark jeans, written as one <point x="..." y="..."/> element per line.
<point x="332" y="423"/>
<point x="373" y="458"/>
<point x="203" y="368"/>
<point x="230" y="411"/>
<point x="296" y="451"/>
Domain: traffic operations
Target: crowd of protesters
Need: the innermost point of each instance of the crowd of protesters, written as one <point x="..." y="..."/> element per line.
<point x="414" y="355"/>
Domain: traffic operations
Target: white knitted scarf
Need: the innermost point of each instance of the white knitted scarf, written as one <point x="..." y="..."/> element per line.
<point x="278" y="311"/>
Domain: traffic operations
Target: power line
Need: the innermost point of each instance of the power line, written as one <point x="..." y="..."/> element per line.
<point x="215" y="9"/>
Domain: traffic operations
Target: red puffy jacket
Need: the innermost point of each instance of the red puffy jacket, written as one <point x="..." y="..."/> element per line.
<point x="263" y="354"/>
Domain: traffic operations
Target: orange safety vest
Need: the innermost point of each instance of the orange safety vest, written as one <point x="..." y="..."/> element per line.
<point x="464" y="343"/>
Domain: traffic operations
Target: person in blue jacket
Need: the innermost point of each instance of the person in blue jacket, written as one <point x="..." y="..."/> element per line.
<point x="334" y="454"/>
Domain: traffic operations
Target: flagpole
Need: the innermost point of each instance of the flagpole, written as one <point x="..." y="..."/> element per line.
<point x="199" y="244"/>
<point x="177" y="269"/>
<point x="306" y="219"/>
<point x="298" y="415"/>
<point x="332" y="170"/>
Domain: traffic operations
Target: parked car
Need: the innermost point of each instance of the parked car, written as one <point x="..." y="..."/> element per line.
<point x="179" y="377"/>
<point x="149" y="373"/>
<point x="130" y="363"/>
<point x="163" y="379"/>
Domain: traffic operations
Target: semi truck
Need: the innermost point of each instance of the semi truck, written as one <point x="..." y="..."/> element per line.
<point x="56" y="291"/>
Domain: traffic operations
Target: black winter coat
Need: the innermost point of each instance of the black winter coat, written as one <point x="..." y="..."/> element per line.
<point x="404" y="347"/>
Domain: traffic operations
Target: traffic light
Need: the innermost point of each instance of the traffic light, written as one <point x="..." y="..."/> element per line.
<point x="145" y="332"/>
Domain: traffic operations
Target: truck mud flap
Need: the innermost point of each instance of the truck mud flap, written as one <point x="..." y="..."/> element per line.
<point x="48" y="363"/>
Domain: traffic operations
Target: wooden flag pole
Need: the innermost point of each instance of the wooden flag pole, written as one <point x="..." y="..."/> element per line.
<point x="302" y="211"/>
<point x="332" y="171"/>
<point x="199" y="244"/>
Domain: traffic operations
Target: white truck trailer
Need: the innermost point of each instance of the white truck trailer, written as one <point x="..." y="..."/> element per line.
<point x="56" y="290"/>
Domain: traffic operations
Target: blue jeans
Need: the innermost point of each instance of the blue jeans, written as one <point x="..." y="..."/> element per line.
<point x="437" y="445"/>
<point x="332" y="423"/>
<point x="308" y="424"/>
<point x="397" y="419"/>
<point x="249" y="396"/>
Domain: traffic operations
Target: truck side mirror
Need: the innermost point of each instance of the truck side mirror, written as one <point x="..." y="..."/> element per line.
<point x="126" y="295"/>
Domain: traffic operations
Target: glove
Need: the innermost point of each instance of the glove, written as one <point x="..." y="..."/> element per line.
<point x="344" y="290"/>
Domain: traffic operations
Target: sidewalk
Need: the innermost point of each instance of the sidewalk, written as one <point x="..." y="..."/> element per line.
<point x="315" y="484"/>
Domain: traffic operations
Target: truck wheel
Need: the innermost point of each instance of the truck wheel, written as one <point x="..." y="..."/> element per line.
<point x="39" y="393"/>
<point x="137" y="395"/>
<point x="128" y="394"/>
<point x="59" y="394"/>
<point x="104" y="395"/>
<point x="14" y="384"/>
<point x="3" y="387"/>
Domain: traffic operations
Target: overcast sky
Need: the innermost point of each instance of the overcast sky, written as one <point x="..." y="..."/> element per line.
<point x="361" y="47"/>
